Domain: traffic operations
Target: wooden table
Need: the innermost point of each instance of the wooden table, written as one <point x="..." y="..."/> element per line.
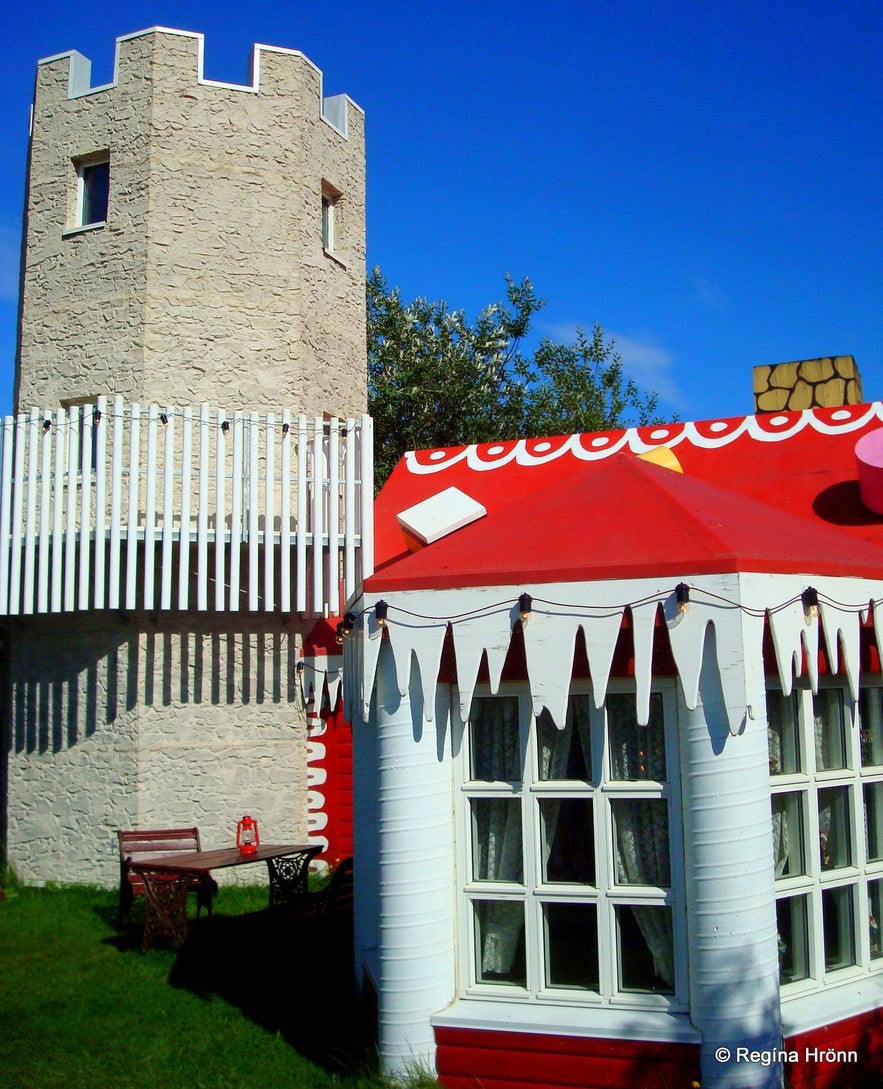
<point x="167" y="881"/>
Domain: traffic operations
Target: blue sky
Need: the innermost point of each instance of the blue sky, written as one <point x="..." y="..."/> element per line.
<point x="705" y="180"/>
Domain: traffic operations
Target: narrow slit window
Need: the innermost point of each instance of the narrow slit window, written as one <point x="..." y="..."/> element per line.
<point x="330" y="218"/>
<point x="93" y="191"/>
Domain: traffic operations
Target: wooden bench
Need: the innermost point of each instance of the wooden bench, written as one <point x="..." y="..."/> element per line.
<point x="138" y="844"/>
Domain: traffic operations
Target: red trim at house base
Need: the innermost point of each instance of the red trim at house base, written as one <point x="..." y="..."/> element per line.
<point x="845" y="1055"/>
<point x="467" y="1058"/>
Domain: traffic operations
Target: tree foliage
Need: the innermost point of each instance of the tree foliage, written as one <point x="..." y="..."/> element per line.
<point x="437" y="379"/>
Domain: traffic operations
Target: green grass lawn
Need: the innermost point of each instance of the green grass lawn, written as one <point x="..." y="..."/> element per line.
<point x="245" y="1003"/>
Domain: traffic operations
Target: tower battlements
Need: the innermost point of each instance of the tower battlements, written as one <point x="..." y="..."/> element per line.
<point x="128" y="63"/>
<point x="189" y="240"/>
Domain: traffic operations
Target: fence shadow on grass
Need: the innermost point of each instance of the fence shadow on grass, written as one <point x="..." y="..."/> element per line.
<point x="290" y="977"/>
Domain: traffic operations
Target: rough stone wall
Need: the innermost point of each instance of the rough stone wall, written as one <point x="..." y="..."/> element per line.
<point x="84" y="293"/>
<point x="213" y="239"/>
<point x="809" y="383"/>
<point x="115" y="725"/>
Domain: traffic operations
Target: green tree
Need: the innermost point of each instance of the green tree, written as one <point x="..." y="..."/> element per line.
<point x="582" y="387"/>
<point x="437" y="379"/>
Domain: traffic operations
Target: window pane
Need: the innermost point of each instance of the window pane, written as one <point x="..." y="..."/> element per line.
<point x="781" y="711"/>
<point x="875" y="913"/>
<point x="645" y="948"/>
<point x="572" y="945"/>
<point x="641" y="831"/>
<point x="636" y="752"/>
<point x="788" y="834"/>
<point x="873" y="794"/>
<point x="838" y="922"/>
<point x="493" y="727"/>
<point x="834" y="838"/>
<point x="96" y="187"/>
<point x="568" y="840"/>
<point x="791" y="921"/>
<point x="496" y="839"/>
<point x="327" y="232"/>
<point x="829" y="729"/>
<point x="871" y="710"/>
<point x="567" y="753"/>
<point x="499" y="932"/>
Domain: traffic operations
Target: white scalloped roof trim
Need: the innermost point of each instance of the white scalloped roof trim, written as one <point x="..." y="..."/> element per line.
<point x="709" y="435"/>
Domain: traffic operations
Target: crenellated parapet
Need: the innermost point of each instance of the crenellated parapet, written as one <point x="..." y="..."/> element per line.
<point x="191" y="240"/>
<point x="129" y="64"/>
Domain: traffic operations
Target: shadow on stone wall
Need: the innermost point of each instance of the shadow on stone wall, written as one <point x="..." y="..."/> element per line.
<point x="64" y="685"/>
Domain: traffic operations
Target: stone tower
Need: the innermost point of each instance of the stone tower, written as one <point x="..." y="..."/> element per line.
<point x="188" y="240"/>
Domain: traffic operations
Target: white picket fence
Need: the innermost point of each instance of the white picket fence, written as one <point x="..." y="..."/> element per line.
<point x="181" y="509"/>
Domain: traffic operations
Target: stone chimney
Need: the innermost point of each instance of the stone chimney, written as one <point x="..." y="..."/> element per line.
<point x="809" y="383"/>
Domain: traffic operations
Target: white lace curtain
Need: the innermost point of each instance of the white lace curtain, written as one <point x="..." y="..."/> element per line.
<point x="555" y="757"/>
<point x="641" y="826"/>
<point x="642" y="836"/>
<point x="496" y="758"/>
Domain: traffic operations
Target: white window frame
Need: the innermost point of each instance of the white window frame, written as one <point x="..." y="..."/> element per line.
<point x="331" y="221"/>
<point x="816" y="880"/>
<point x="83" y="166"/>
<point x="86" y="407"/>
<point x="327" y="223"/>
<point x="606" y="894"/>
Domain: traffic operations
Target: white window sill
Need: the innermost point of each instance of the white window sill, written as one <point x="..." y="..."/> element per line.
<point x="334" y="257"/>
<point x="68" y="231"/>
<point x="495" y="1015"/>
<point x="832" y="1002"/>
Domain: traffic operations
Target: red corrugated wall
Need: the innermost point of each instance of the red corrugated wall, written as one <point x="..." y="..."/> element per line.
<point x="825" y="1055"/>
<point x="338" y="740"/>
<point x="845" y="1055"/>
<point x="468" y="1058"/>
<point x="331" y="737"/>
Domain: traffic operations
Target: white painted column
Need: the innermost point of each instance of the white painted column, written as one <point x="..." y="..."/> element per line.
<point x="366" y="847"/>
<point x="731" y="918"/>
<point x="416" y="871"/>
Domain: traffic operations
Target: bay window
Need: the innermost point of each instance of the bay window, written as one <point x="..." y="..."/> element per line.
<point x="826" y="774"/>
<point x="572" y="873"/>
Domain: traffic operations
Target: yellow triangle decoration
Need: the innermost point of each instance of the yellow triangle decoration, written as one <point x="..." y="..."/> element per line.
<point x="661" y="455"/>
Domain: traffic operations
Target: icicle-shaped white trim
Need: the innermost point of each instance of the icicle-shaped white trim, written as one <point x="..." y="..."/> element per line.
<point x="324" y="675"/>
<point x="372" y="640"/>
<point x="426" y="643"/>
<point x="878" y="625"/>
<point x="601" y="633"/>
<point x="735" y="604"/>
<point x="643" y="623"/>
<point x="686" y="634"/>
<point x="790" y="634"/>
<point x="843" y="629"/>
<point x="489" y="634"/>
<point x="332" y="685"/>
<point x="550" y="638"/>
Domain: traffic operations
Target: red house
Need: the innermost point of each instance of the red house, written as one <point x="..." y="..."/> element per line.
<point x="618" y="745"/>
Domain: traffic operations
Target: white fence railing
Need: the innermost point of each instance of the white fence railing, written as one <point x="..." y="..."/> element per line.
<point x="124" y="508"/>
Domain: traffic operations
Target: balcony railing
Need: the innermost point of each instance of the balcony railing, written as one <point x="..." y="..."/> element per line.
<point x="115" y="507"/>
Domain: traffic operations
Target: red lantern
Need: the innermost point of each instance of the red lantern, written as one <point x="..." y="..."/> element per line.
<point x="247" y="837"/>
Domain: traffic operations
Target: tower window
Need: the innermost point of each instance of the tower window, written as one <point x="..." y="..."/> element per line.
<point x="93" y="188"/>
<point x="330" y="226"/>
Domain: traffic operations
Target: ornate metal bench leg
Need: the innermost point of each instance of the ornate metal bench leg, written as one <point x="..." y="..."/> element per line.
<point x="165" y="914"/>
<point x="288" y="879"/>
<point x="205" y="892"/>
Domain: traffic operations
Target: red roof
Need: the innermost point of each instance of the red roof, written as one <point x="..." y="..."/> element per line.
<point x="775" y="493"/>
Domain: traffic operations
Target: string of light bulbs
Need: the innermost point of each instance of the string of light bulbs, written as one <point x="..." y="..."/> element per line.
<point x="810" y="599"/>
